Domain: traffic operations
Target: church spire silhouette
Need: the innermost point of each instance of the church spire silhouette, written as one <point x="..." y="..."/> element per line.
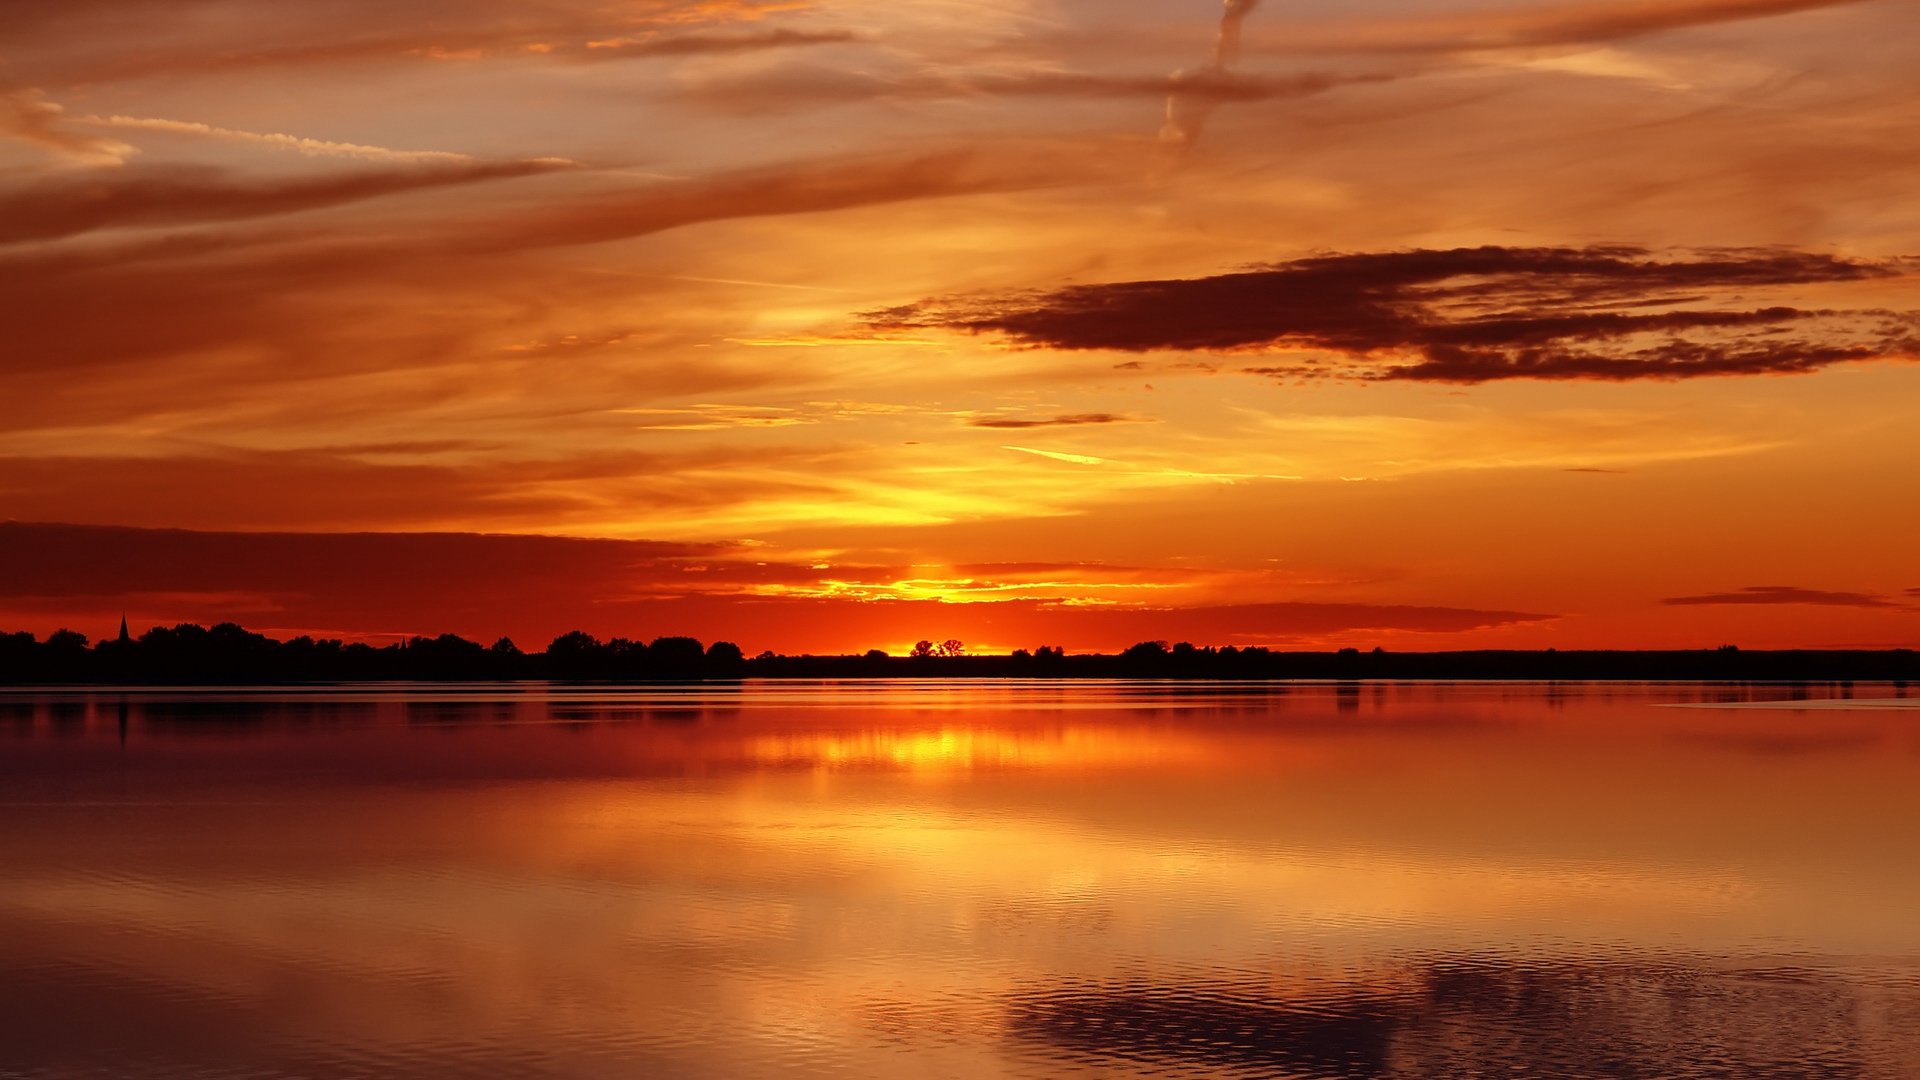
<point x="124" y="636"/>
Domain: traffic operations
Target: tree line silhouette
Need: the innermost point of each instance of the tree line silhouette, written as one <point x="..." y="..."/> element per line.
<point x="189" y="653"/>
<point x="227" y="653"/>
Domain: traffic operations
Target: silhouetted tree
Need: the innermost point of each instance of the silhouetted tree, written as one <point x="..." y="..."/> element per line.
<point x="624" y="658"/>
<point x="227" y="653"/>
<point x="18" y="652"/>
<point x="725" y="660"/>
<point x="448" y="656"/>
<point x="676" y="657"/>
<point x="575" y="655"/>
<point x="64" y="656"/>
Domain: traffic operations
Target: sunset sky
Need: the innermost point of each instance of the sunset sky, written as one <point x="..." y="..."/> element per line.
<point x="824" y="325"/>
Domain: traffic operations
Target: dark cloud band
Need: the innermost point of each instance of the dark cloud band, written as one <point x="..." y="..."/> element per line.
<point x="1783" y="594"/>
<point x="1467" y="315"/>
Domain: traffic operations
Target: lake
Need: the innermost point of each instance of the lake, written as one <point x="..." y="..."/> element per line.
<point x="981" y="879"/>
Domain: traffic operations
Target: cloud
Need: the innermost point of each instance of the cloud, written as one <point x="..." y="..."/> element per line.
<point x="534" y="587"/>
<point x="1205" y="85"/>
<point x="1020" y="423"/>
<point x="1188" y="112"/>
<point x="801" y="187"/>
<point x="1273" y="623"/>
<point x="1056" y="455"/>
<point x="660" y="45"/>
<point x="783" y="89"/>
<point x="715" y="418"/>
<point x="1531" y="27"/>
<point x="360" y="582"/>
<point x="408" y="32"/>
<point x="313" y="309"/>
<point x="28" y="116"/>
<point x="81" y="560"/>
<point x="411" y="292"/>
<point x="179" y="195"/>
<point x="276" y="141"/>
<point x="1466" y="315"/>
<point x="1784" y="594"/>
<point x="360" y="489"/>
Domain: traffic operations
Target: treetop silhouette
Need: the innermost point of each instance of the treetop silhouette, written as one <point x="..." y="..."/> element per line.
<point x="228" y="653"/>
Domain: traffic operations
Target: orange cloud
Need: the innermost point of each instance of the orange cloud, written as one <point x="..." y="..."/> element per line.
<point x="783" y="89"/>
<point x="276" y="141"/>
<point x="171" y="196"/>
<point x="800" y="187"/>
<point x="666" y="45"/>
<point x="535" y="587"/>
<point x="408" y="32"/>
<point x="28" y="116"/>
<point x="1021" y="423"/>
<point x="1563" y="24"/>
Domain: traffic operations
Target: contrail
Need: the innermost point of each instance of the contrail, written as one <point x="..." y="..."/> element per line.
<point x="1227" y="50"/>
<point x="1186" y="114"/>
<point x="27" y="115"/>
<point x="274" y="140"/>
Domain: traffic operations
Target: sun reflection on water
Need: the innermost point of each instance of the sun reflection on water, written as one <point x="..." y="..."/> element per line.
<point x="961" y="749"/>
<point x="1119" y="881"/>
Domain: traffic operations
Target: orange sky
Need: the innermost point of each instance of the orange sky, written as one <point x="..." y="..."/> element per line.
<point x="832" y="324"/>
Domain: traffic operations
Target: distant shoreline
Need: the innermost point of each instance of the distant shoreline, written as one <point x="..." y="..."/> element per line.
<point x="227" y="655"/>
<point x="586" y="687"/>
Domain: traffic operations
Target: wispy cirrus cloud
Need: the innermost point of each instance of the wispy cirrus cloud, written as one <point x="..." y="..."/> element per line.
<point x="27" y="115"/>
<point x="1785" y="594"/>
<point x="787" y="88"/>
<point x="366" y="488"/>
<point x="715" y="418"/>
<point x="655" y="44"/>
<point x="1529" y="26"/>
<point x="233" y="42"/>
<point x="275" y="141"/>
<point x="1059" y="455"/>
<point x="61" y="207"/>
<point x="1467" y="315"/>
<point x="325" y="295"/>
<point x="795" y="187"/>
<point x="1021" y="423"/>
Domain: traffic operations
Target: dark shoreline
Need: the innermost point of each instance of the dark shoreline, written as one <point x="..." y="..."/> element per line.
<point x="228" y="655"/>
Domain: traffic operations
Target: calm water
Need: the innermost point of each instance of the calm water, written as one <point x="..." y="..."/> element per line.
<point x="979" y="880"/>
